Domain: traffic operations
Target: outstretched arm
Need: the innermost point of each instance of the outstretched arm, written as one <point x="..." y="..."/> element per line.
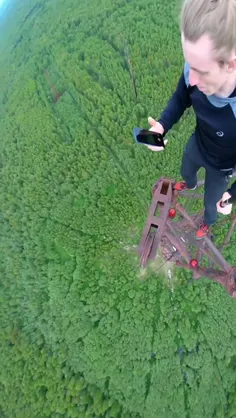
<point x="175" y="108"/>
<point x="178" y="103"/>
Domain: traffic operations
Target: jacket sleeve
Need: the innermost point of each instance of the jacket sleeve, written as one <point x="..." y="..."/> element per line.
<point x="178" y="103"/>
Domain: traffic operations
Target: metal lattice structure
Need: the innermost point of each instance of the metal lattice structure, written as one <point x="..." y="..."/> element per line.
<point x="171" y="229"/>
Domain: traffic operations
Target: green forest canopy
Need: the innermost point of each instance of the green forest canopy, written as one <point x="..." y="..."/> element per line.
<point x="81" y="335"/>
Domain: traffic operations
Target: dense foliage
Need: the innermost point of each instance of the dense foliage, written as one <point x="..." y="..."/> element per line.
<point x="82" y="333"/>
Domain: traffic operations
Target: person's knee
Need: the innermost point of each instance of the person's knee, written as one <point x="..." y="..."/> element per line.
<point x="210" y="207"/>
<point x="213" y="194"/>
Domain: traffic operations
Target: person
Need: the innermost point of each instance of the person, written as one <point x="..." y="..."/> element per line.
<point x="208" y="84"/>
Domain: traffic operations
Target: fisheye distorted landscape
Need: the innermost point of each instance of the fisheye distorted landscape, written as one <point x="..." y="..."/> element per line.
<point x="82" y="332"/>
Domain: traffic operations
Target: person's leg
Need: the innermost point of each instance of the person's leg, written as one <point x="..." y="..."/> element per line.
<point x="191" y="162"/>
<point x="216" y="183"/>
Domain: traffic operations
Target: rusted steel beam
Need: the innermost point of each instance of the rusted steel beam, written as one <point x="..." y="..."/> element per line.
<point x="192" y="194"/>
<point x="221" y="262"/>
<point x="229" y="234"/>
<point x="176" y="238"/>
<point x="226" y="280"/>
<point x="160" y="203"/>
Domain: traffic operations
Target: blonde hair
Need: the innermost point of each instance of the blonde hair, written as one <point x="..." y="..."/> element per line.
<point x="217" y="18"/>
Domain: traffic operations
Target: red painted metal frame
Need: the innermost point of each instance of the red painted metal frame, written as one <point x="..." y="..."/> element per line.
<point x="175" y="237"/>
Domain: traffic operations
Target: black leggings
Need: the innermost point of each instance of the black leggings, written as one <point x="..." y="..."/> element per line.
<point x="216" y="181"/>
